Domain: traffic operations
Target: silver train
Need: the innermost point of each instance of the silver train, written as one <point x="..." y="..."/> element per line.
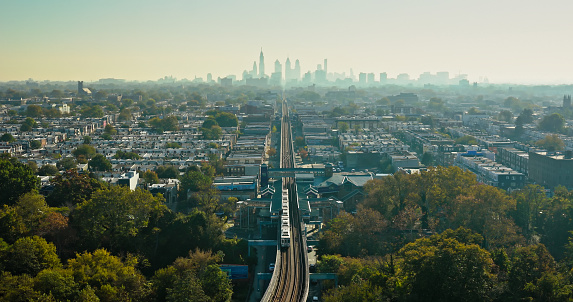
<point x="285" y="221"/>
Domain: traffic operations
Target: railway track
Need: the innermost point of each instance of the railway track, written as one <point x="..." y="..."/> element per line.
<point x="290" y="280"/>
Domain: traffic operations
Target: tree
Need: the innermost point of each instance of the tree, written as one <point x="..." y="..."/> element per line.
<point x="343" y="127"/>
<point x="173" y="145"/>
<point x="31" y="209"/>
<point x="167" y="172"/>
<point x="99" y="163"/>
<point x="212" y="133"/>
<point x="551" y="142"/>
<point x="52" y="113"/>
<point x="169" y="123"/>
<point x="226" y="119"/>
<point x="528" y="266"/>
<point x="35" y="144"/>
<point x="299" y="141"/>
<point x="525" y="117"/>
<point x="210" y="122"/>
<point x="427" y="159"/>
<point x="83" y="153"/>
<point x="47" y="169"/>
<point x="194" y="181"/>
<point x="150" y="177"/>
<point x="15" y="179"/>
<point x="34" y="111"/>
<point x="308" y="95"/>
<point x="115" y="216"/>
<point x="444" y="269"/>
<point x="354" y="235"/>
<point x="126" y="155"/>
<point x="530" y="203"/>
<point x="513" y="103"/>
<point x="552" y="123"/>
<point x="33" y="165"/>
<point x="66" y="163"/>
<point x="30" y="255"/>
<point x="196" y="277"/>
<point x="109" y="277"/>
<point x="7" y="137"/>
<point x="109" y="129"/>
<point x="28" y="124"/>
<point x="466" y="140"/>
<point x="505" y="115"/>
<point x="87" y="140"/>
<point x="437" y="104"/>
<point x="59" y="283"/>
<point x="474" y="111"/>
<point x="124" y="115"/>
<point x="72" y="188"/>
<point x="18" y="288"/>
<point x="92" y="112"/>
<point x="271" y="152"/>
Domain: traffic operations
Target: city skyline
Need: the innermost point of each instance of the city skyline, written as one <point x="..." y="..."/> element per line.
<point x="510" y="42"/>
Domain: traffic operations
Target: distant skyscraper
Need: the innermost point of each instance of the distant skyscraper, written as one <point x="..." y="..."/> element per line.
<point x="319" y="74"/>
<point x="80" y="87"/>
<point x="209" y="78"/>
<point x="307" y="77"/>
<point x="383" y="77"/>
<point x="325" y="66"/>
<point x="288" y="70"/>
<point x="261" y="64"/>
<point x="254" y="72"/>
<point x="370" y="78"/>
<point x="296" y="74"/>
<point x="362" y="78"/>
<point x="277" y="76"/>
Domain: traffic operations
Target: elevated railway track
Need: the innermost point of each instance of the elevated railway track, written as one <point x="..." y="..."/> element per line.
<point x="290" y="278"/>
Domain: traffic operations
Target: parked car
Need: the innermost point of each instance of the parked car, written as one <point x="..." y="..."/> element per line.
<point x="309" y="248"/>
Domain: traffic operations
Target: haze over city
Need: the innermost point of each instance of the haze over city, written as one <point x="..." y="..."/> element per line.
<point x="523" y="42"/>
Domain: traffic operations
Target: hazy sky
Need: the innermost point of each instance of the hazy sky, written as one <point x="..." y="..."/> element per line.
<point x="516" y="41"/>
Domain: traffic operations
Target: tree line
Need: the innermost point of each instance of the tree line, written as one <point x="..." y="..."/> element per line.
<point x="442" y="236"/>
<point x="89" y="241"/>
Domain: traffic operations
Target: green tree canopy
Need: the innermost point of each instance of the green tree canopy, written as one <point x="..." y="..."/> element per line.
<point x="99" y="163"/>
<point x="210" y="122"/>
<point x="115" y="216"/>
<point x="226" y="119"/>
<point x="213" y="133"/>
<point x="48" y="170"/>
<point x="552" y="123"/>
<point x="72" y="188"/>
<point x="30" y="255"/>
<point x="7" y="137"/>
<point x="15" y="179"/>
<point x="34" y="111"/>
<point x="444" y="269"/>
<point x="94" y="111"/>
<point x="505" y="115"/>
<point x="109" y="277"/>
<point x="551" y="142"/>
<point x="35" y="144"/>
<point x="67" y="163"/>
<point x="167" y="172"/>
<point x="83" y="153"/>
<point x="466" y="140"/>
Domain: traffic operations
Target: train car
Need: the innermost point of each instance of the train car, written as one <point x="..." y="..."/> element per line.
<point x="285" y="236"/>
